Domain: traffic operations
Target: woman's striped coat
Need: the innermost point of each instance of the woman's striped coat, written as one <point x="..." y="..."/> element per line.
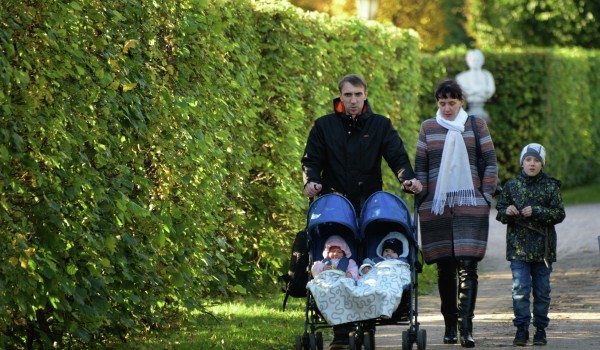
<point x="461" y="231"/>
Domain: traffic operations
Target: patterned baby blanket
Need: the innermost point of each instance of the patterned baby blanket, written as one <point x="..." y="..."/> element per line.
<point x="377" y="294"/>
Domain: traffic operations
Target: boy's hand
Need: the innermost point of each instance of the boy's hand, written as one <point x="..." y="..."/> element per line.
<point x="512" y="211"/>
<point x="527" y="211"/>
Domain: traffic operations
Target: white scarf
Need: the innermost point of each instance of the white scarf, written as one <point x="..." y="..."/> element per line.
<point x="454" y="182"/>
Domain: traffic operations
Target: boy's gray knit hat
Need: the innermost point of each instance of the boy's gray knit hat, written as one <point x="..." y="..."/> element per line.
<point x="535" y="150"/>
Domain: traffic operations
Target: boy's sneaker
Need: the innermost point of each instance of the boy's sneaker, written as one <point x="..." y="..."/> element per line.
<point x="521" y="337"/>
<point x="539" y="338"/>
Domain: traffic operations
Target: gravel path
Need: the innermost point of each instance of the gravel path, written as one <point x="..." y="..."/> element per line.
<point x="575" y="306"/>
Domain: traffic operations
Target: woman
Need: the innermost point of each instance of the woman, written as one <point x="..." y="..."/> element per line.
<point x="454" y="205"/>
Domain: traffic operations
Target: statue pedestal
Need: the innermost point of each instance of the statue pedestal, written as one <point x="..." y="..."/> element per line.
<point x="476" y="108"/>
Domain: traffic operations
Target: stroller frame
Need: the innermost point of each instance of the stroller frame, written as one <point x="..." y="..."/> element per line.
<point x="389" y="213"/>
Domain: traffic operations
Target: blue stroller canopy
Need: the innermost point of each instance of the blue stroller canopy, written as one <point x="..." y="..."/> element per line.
<point x="332" y="208"/>
<point x="386" y="207"/>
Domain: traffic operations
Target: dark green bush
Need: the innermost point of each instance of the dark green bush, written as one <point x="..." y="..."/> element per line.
<point x="542" y="23"/>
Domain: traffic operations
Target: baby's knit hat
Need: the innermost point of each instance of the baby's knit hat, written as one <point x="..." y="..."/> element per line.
<point x="535" y="150"/>
<point x="332" y="247"/>
<point x="393" y="244"/>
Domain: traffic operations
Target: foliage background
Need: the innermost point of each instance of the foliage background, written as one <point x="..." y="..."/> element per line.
<point x="440" y="23"/>
<point x="541" y="23"/>
<point x="444" y="24"/>
<point x="546" y="96"/>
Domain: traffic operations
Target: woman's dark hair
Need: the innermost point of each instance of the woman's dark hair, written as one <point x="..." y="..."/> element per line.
<point x="448" y="89"/>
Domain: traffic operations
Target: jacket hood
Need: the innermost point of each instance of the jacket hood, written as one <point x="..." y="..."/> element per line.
<point x="541" y="176"/>
<point x="338" y="241"/>
<point x="398" y="236"/>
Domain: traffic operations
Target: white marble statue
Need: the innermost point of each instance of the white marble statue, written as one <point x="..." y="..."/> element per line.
<point x="477" y="84"/>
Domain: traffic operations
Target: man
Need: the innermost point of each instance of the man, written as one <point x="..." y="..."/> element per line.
<point x="344" y="149"/>
<point x="343" y="155"/>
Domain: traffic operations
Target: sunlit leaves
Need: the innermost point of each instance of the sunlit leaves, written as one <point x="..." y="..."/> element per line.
<point x="129" y="44"/>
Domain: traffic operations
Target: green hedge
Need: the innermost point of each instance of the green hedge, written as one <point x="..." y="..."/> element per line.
<point x="546" y="96"/>
<point x="150" y="153"/>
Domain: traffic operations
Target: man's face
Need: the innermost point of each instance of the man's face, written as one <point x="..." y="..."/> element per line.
<point x="353" y="97"/>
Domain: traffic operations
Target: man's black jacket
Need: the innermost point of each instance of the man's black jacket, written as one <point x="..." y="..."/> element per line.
<point x="344" y="154"/>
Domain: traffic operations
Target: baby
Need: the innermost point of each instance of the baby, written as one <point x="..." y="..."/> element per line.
<point x="366" y="266"/>
<point x="336" y="257"/>
<point x="394" y="246"/>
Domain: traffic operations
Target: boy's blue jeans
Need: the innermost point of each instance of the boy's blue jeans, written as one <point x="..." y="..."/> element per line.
<point x="528" y="277"/>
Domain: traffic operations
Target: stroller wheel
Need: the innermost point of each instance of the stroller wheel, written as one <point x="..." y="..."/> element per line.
<point x="406" y="342"/>
<point x="352" y="342"/>
<point x="319" y="340"/>
<point x="421" y="339"/>
<point x="369" y="340"/>
<point x="312" y="342"/>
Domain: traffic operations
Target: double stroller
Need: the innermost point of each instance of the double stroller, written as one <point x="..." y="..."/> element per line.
<point x="381" y="214"/>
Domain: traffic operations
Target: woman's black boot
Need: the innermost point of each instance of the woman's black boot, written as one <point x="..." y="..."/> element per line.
<point x="447" y="287"/>
<point x="466" y="333"/>
<point x="450" y="335"/>
<point x="467" y="296"/>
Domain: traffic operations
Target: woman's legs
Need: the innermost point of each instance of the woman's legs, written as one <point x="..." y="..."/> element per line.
<point x="447" y="286"/>
<point x="468" y="282"/>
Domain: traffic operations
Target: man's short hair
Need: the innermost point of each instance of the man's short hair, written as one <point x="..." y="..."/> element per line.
<point x="353" y="79"/>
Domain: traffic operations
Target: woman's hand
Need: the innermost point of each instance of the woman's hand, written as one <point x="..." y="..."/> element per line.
<point x="413" y="185"/>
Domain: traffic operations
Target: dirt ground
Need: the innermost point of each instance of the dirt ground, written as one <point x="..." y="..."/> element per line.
<point x="574" y="309"/>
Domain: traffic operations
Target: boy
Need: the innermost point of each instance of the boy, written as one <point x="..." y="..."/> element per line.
<point x="530" y="205"/>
